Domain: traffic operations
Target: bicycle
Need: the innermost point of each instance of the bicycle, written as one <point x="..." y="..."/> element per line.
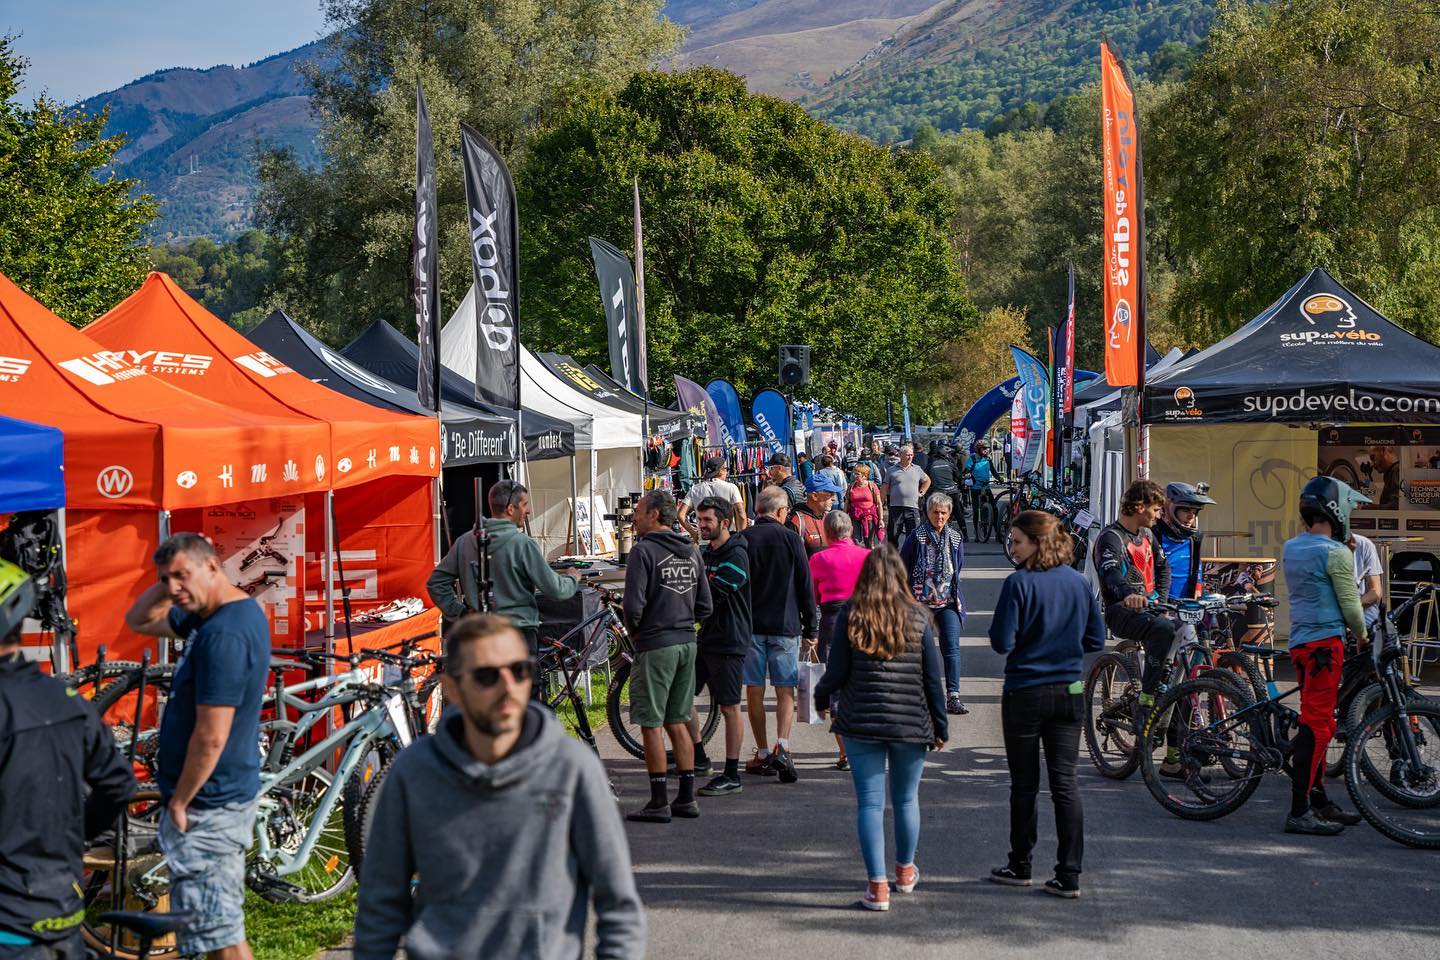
<point x="1393" y="752"/>
<point x="1113" y="715"/>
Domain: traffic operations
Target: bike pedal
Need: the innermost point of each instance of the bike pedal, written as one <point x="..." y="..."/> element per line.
<point x="277" y="889"/>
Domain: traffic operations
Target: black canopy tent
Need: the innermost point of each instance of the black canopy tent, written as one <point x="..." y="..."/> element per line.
<point x="595" y="383"/>
<point x="470" y="435"/>
<point x="1319" y="354"/>
<point x="386" y="352"/>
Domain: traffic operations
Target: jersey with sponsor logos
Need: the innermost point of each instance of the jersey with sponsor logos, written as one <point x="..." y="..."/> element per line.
<point x="1129" y="563"/>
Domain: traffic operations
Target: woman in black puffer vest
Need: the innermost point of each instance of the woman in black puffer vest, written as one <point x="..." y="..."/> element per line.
<point x="884" y="669"/>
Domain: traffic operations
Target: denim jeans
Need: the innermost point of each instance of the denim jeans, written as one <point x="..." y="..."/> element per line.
<point x="1051" y="716"/>
<point x="867" y="767"/>
<point x="947" y="625"/>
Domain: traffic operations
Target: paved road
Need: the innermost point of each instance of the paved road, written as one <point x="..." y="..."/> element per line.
<point x="776" y="871"/>
<point x="777" y="868"/>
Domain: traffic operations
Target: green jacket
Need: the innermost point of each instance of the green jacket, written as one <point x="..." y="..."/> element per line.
<point x="517" y="570"/>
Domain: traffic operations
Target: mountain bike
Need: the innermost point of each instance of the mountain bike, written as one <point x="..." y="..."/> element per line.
<point x="1113" y="714"/>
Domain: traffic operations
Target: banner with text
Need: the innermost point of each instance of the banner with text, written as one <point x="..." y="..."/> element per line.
<point x="1035" y="393"/>
<point x="618" y="296"/>
<point x="494" y="228"/>
<point x="727" y="402"/>
<point x="769" y="411"/>
<point x="1122" y="203"/>
<point x="424" y="263"/>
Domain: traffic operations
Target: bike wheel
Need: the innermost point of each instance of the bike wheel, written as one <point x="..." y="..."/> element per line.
<point x="1245" y="672"/>
<point x="627" y="732"/>
<point x="116" y="705"/>
<point x="1111" y="690"/>
<point x="359" y="820"/>
<point x="985" y="526"/>
<point x="90" y="681"/>
<point x="1392" y="772"/>
<point x="358" y="796"/>
<point x="1376" y="763"/>
<point x="328" y="871"/>
<point x="1204" y="710"/>
<point x="146" y="889"/>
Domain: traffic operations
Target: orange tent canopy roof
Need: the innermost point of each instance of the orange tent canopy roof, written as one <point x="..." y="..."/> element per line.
<point x="164" y="329"/>
<point x="132" y="440"/>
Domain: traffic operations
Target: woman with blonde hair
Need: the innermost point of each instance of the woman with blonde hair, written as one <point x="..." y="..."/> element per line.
<point x="1045" y="621"/>
<point x="884" y="669"/>
<point x="862" y="502"/>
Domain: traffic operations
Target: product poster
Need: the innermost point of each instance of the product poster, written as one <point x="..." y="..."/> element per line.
<point x="597" y="535"/>
<point x="1396" y="467"/>
<point x="262" y="546"/>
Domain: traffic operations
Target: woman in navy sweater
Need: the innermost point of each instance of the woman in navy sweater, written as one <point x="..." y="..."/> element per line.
<point x="1045" y="621"/>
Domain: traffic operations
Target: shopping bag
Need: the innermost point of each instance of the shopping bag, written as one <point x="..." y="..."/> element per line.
<point x="810" y="674"/>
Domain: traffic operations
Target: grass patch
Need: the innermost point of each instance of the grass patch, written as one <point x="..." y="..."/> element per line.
<point x="594" y="712"/>
<point x="297" y="931"/>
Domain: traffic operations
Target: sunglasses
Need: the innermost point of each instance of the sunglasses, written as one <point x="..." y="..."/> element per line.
<point x="520" y="671"/>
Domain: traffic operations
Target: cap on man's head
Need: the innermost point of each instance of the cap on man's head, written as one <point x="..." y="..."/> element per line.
<point x="778" y="460"/>
<point x="713" y="466"/>
<point x="819" y="483"/>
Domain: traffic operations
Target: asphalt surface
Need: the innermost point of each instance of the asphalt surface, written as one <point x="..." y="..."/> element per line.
<point x="776" y="872"/>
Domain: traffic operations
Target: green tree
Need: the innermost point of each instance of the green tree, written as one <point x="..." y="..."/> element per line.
<point x="235" y="281"/>
<point x="763" y="226"/>
<point x="69" y="234"/>
<point x="1308" y="134"/>
<point x="503" y="66"/>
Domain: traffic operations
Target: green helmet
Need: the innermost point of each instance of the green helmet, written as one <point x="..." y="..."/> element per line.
<point x="1334" y="500"/>
<point x="17" y="597"/>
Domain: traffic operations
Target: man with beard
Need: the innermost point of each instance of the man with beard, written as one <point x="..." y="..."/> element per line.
<point x="509" y="823"/>
<point x="1178" y="532"/>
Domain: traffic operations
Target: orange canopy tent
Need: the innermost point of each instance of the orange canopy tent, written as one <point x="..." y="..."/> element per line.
<point x="384" y="517"/>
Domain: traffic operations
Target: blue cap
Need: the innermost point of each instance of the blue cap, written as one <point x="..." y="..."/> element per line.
<point x="819" y="483"/>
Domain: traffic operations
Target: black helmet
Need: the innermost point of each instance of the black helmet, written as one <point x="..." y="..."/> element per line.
<point x="1334" y="500"/>
<point x="1187" y="495"/>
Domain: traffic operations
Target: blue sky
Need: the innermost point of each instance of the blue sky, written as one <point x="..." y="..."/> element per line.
<point x="78" y="48"/>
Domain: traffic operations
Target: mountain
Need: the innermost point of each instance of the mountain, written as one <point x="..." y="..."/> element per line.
<point x="192" y="136"/>
<point x="877" y="67"/>
<point x="963" y="62"/>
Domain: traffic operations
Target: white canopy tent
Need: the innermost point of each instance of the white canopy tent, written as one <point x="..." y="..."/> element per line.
<point x="613" y="438"/>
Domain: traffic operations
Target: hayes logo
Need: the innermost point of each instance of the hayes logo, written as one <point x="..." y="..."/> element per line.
<point x="12" y="369"/>
<point x="170" y="361"/>
<point x="101" y="368"/>
<point x="114" y="482"/>
<point x="1329" y="309"/>
<point x="262" y="364"/>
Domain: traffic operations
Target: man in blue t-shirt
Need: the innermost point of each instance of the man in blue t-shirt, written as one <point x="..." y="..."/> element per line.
<point x="1178" y="532"/>
<point x="209" y="753"/>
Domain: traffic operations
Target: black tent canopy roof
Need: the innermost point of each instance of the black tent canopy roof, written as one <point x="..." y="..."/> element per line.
<point x="1318" y="354"/>
<point x="470" y="435"/>
<point x="386" y="352"/>
<point x="597" y="384"/>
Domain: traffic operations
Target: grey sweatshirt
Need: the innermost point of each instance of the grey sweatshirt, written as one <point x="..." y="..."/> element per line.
<point x="508" y="856"/>
<point x="517" y="570"/>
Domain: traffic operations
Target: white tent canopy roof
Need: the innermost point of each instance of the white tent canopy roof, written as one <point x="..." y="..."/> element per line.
<point x="597" y="426"/>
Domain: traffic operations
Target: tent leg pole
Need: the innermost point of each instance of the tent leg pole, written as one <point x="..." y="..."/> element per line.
<point x="590" y="499"/>
<point x="437" y="516"/>
<point x="163" y="529"/>
<point x="329" y="572"/>
<point x="574" y="512"/>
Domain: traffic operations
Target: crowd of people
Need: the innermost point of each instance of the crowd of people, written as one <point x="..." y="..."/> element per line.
<point x="512" y="825"/>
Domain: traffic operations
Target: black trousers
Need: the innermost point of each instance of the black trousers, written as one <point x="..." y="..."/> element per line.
<point x="902" y="523"/>
<point x="532" y="640"/>
<point x="1155" y="634"/>
<point x="1049" y="716"/>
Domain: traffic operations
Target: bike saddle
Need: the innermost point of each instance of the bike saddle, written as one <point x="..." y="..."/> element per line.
<point x="150" y="926"/>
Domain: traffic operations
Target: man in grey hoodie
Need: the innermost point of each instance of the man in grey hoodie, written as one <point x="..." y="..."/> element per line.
<point x="517" y="567"/>
<point x="666" y="594"/>
<point x="506" y="826"/>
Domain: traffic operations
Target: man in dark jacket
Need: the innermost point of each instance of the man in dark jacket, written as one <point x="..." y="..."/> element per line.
<point x="724" y="638"/>
<point x="53" y="752"/>
<point x="666" y="594"/>
<point x="782" y="605"/>
<point x="1132" y="568"/>
<point x="778" y="469"/>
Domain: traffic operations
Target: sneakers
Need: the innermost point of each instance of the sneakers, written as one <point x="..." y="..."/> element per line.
<point x="1308" y="824"/>
<point x="760" y="767"/>
<point x="783" y="764"/>
<point x="1331" y="812"/>
<point x="1175" y="771"/>
<point x="721" y="786"/>
<point x="690" y="810"/>
<point x="906" y="878"/>
<point x="1010" y="877"/>
<point x="877" y="895"/>
<point x="650" y="814"/>
<point x="955" y="705"/>
<point x="1069" y="889"/>
<point x="843" y="763"/>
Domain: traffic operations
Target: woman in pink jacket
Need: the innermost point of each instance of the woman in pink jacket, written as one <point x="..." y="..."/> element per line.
<point x="834" y="571"/>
